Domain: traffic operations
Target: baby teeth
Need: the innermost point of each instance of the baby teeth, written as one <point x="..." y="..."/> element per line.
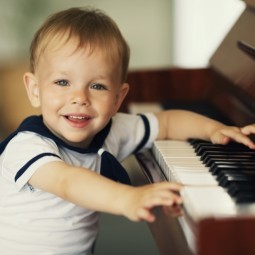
<point x="78" y="117"/>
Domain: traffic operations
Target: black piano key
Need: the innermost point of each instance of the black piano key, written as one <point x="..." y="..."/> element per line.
<point x="233" y="192"/>
<point x="196" y="142"/>
<point x="233" y="188"/>
<point x="234" y="156"/>
<point x="225" y="178"/>
<point x="233" y="166"/>
<point x="240" y="185"/>
<point x="199" y="142"/>
<point x="215" y="152"/>
<point x="217" y="166"/>
<point x="225" y="173"/>
<point x="245" y="198"/>
<point x="236" y="179"/>
<point x="240" y="191"/>
<point x="226" y="160"/>
<point x="229" y="155"/>
<point x="204" y="146"/>
<point x="200" y="151"/>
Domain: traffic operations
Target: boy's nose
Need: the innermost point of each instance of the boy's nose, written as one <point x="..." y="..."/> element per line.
<point x="80" y="98"/>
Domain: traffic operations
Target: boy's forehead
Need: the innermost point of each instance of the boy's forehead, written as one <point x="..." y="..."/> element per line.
<point x="70" y="45"/>
<point x="62" y="42"/>
<point x="57" y="53"/>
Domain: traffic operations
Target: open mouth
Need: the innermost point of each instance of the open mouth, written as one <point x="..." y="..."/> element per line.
<point x="78" y="121"/>
<point x="77" y="118"/>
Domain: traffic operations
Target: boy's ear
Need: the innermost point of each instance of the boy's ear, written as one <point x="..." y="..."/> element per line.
<point x="121" y="95"/>
<point x="32" y="89"/>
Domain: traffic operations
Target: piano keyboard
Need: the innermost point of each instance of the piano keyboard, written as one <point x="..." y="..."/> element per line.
<point x="219" y="180"/>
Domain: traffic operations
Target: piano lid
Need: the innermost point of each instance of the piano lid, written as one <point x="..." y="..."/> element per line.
<point x="234" y="60"/>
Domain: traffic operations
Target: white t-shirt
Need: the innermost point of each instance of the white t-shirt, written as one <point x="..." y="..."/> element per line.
<point x="36" y="222"/>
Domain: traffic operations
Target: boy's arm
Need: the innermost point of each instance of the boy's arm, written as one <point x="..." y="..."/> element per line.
<point x="93" y="191"/>
<point x="182" y="125"/>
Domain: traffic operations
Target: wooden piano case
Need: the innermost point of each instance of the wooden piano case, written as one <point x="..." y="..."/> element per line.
<point x="225" y="91"/>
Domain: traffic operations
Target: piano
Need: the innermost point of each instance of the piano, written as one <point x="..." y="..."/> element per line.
<point x="219" y="200"/>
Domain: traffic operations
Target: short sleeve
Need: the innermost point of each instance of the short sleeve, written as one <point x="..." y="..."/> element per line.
<point x="24" y="154"/>
<point x="127" y="132"/>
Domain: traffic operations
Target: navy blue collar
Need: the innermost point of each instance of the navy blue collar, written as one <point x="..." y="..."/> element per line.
<point x="110" y="167"/>
<point x="35" y="124"/>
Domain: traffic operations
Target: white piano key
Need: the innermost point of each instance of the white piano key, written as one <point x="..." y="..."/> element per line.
<point x="196" y="179"/>
<point x="195" y="169"/>
<point x="202" y="202"/>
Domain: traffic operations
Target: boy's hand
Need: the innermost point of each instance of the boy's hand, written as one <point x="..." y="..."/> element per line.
<point x="226" y="134"/>
<point x="248" y="130"/>
<point x="139" y="201"/>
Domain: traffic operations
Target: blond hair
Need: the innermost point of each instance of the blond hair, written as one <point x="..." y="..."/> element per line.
<point x="91" y="27"/>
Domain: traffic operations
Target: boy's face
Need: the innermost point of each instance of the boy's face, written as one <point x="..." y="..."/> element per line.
<point x="78" y="92"/>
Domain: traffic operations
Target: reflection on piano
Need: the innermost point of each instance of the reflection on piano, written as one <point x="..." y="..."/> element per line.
<point x="219" y="199"/>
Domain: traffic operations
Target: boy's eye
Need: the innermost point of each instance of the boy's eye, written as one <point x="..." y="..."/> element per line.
<point x="62" y="82"/>
<point x="98" y="86"/>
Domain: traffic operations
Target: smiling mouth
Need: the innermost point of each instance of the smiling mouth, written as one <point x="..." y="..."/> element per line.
<point x="78" y="121"/>
<point x="78" y="118"/>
